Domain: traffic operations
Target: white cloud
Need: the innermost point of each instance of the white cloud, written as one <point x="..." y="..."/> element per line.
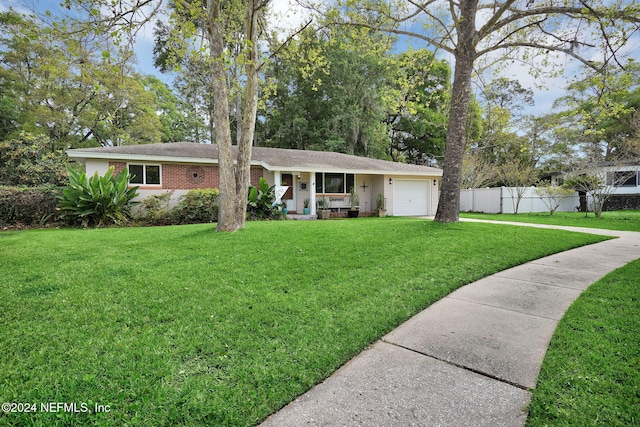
<point x="287" y="15"/>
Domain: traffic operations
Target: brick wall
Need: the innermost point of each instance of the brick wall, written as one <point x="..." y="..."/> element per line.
<point x="117" y="166"/>
<point x="256" y="174"/>
<point x="190" y="176"/>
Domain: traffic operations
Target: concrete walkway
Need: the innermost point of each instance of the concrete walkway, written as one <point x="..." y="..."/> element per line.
<point x="471" y="358"/>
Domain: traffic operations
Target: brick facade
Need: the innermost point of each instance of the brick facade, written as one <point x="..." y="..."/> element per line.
<point x="256" y="174"/>
<point x="189" y="177"/>
<point x="178" y="176"/>
<point x="118" y="166"/>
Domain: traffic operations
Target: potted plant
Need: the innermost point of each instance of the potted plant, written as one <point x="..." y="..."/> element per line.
<point x="381" y="205"/>
<point x="305" y="210"/>
<point x="324" y="210"/>
<point x="354" y="199"/>
<point x="284" y="207"/>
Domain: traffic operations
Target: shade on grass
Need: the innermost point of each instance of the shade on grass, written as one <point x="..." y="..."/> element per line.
<point x="185" y="326"/>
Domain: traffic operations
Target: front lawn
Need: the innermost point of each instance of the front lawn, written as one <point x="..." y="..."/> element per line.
<point x="615" y="220"/>
<point x="591" y="372"/>
<point x="184" y="326"/>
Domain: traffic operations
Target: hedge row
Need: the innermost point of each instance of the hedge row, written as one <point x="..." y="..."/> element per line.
<point x="37" y="206"/>
<point x="196" y="207"/>
<point x="34" y="206"/>
<point x="623" y="202"/>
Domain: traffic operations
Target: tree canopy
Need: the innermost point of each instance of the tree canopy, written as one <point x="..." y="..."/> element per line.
<point x="65" y="84"/>
<point x="476" y="33"/>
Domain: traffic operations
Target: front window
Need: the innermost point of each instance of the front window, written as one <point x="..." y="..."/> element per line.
<point x="319" y="182"/>
<point x="622" y="179"/>
<point x="334" y="183"/>
<point x="145" y="174"/>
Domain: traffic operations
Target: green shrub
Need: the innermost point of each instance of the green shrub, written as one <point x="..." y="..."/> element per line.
<point x="28" y="160"/>
<point x="154" y="210"/>
<point x="196" y="207"/>
<point x="28" y="206"/>
<point x="97" y="201"/>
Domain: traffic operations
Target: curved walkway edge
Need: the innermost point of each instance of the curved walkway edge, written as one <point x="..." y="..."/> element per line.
<point x="471" y="358"/>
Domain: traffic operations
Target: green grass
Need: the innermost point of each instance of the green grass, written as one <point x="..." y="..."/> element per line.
<point x="591" y="372"/>
<point x="184" y="326"/>
<point x="617" y="220"/>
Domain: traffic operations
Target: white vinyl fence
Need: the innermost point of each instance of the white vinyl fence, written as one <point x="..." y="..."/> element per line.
<point x="503" y="199"/>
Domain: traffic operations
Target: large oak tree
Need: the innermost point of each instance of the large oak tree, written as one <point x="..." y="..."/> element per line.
<point x="472" y="31"/>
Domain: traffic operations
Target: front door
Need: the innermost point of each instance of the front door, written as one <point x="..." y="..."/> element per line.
<point x="287" y="179"/>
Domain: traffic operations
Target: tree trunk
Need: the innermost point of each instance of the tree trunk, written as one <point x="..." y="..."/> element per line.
<point x="456" y="141"/>
<point x="247" y="129"/>
<point x="226" y="212"/>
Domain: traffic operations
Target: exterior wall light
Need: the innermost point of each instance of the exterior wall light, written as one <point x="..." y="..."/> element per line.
<point x="390" y="181"/>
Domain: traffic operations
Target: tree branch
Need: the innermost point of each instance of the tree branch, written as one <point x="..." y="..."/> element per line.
<point x="286" y="42"/>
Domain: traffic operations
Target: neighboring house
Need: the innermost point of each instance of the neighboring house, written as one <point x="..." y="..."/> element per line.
<point x="622" y="180"/>
<point x="625" y="178"/>
<point x="410" y="190"/>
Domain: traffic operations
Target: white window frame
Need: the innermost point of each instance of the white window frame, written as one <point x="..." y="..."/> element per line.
<point x="144" y="173"/>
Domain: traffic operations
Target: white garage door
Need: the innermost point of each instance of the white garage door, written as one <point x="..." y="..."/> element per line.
<point x="410" y="197"/>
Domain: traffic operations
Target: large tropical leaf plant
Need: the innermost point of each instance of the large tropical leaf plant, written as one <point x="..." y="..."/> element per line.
<point x="261" y="202"/>
<point x="97" y="201"/>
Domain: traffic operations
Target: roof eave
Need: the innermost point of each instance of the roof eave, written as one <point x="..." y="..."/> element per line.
<point x="127" y="157"/>
<point x="435" y="172"/>
<point x="75" y="154"/>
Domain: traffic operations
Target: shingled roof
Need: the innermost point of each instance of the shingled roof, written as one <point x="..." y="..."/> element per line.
<point x="272" y="159"/>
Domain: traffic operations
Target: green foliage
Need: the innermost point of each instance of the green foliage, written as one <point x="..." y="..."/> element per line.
<point x="154" y="210"/>
<point x="28" y="160"/>
<point x="177" y="117"/>
<point x="97" y="201"/>
<point x="323" y="202"/>
<point x="73" y="85"/>
<point x="261" y="202"/>
<point x="197" y="206"/>
<point x="193" y="83"/>
<point x="8" y="116"/>
<point x="345" y="91"/>
<point x="381" y="202"/>
<point x="499" y="145"/>
<point x="600" y="112"/>
<point x="478" y="171"/>
<point x="328" y="91"/>
<point x="418" y="106"/>
<point x="28" y="206"/>
<point x="354" y="199"/>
